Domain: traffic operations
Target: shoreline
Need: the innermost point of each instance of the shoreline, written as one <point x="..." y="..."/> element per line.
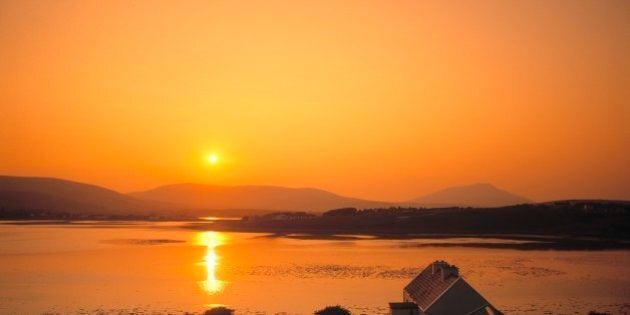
<point x="516" y="241"/>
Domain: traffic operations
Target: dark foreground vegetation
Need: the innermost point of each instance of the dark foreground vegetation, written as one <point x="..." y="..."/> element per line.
<point x="584" y="219"/>
<point x="333" y="310"/>
<point x="220" y="310"/>
<point x="328" y="310"/>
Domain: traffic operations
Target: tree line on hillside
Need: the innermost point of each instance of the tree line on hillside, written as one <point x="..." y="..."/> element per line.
<point x="609" y="219"/>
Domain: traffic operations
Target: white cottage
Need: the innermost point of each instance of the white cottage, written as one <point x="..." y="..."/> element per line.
<point x="440" y="290"/>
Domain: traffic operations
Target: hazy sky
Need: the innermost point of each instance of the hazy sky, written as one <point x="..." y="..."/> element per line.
<point x="375" y="99"/>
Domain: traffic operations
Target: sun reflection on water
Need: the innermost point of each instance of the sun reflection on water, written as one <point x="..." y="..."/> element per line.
<point x="210" y="261"/>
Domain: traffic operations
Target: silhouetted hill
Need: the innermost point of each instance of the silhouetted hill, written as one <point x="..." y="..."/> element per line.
<point x="58" y="195"/>
<point x="198" y="196"/>
<point x="476" y="195"/>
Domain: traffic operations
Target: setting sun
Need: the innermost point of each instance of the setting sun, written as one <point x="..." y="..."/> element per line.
<point x="213" y="159"/>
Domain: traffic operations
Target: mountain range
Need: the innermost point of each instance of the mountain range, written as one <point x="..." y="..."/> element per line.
<point x="52" y="194"/>
<point x="199" y="196"/>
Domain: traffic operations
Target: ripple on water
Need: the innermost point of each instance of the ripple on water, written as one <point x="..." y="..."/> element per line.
<point x="330" y="271"/>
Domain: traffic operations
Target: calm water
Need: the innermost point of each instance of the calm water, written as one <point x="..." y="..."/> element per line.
<point x="153" y="268"/>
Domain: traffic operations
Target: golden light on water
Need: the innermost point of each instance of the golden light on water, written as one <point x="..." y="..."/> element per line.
<point x="210" y="261"/>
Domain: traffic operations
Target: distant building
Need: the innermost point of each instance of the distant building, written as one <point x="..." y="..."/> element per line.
<point x="439" y="289"/>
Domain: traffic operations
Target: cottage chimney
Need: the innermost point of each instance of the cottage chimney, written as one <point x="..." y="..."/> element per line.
<point x="449" y="271"/>
<point x="445" y="269"/>
<point x="438" y="265"/>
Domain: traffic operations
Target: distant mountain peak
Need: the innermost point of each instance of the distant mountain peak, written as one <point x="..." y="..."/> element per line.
<point x="473" y="195"/>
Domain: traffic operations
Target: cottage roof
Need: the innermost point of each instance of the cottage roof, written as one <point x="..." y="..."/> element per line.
<point x="430" y="284"/>
<point x="439" y="289"/>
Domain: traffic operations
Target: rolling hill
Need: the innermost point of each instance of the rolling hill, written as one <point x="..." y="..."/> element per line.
<point x="58" y="195"/>
<point x="273" y="198"/>
<point x="476" y="195"/>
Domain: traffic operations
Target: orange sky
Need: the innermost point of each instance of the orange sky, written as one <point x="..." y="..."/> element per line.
<point x="375" y="99"/>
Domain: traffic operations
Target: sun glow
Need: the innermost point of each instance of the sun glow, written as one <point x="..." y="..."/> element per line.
<point x="213" y="159"/>
<point x="210" y="261"/>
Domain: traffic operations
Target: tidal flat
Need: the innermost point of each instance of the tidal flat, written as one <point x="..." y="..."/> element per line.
<point x="161" y="267"/>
